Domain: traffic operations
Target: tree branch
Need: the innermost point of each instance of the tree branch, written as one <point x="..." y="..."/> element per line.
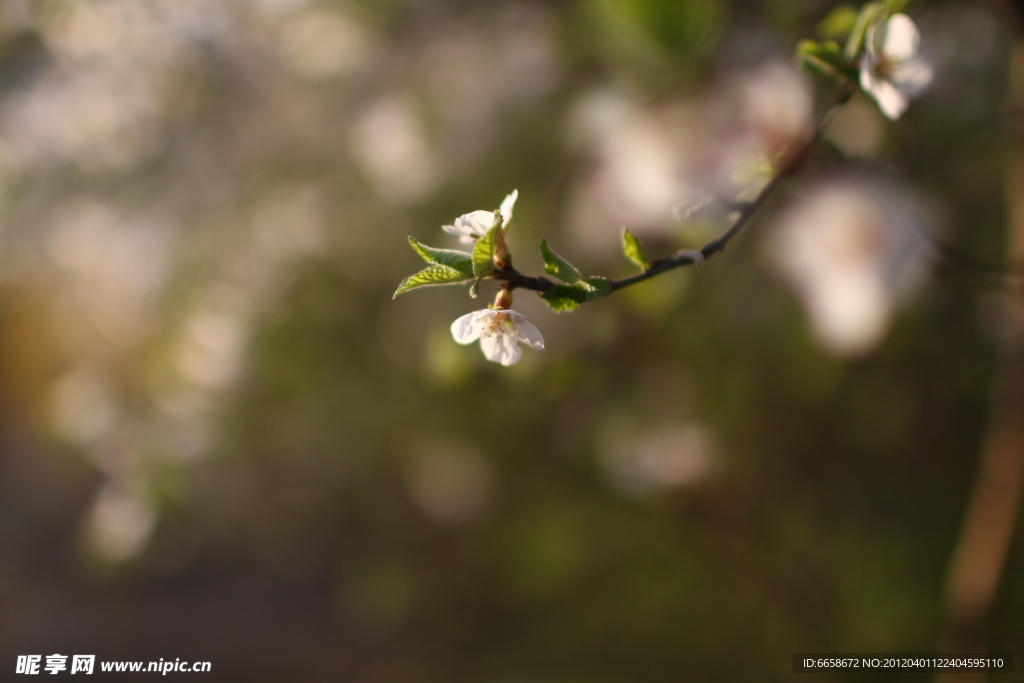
<point x="745" y="211"/>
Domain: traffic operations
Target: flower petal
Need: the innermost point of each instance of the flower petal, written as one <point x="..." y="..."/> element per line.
<point x="506" y="207"/>
<point x="464" y="329"/>
<point x="890" y="100"/>
<point x="912" y="77"/>
<point x="868" y="80"/>
<point x="501" y="349"/>
<point x="476" y="223"/>
<point x="464" y="237"/>
<point x="528" y="333"/>
<point x="901" y="38"/>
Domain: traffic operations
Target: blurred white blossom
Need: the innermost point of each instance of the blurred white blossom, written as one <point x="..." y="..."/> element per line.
<point x="471" y="226"/>
<point x="776" y="105"/>
<point x="891" y="72"/>
<point x="321" y="44"/>
<point x="499" y="332"/>
<point x="854" y="249"/>
<point x="652" y="161"/>
<point x="644" y="461"/>
<point x="773" y="108"/>
<point x="389" y="142"/>
<point x="475" y="72"/>
<point x="119" y="523"/>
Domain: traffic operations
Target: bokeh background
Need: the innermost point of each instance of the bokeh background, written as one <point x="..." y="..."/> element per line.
<point x="221" y="440"/>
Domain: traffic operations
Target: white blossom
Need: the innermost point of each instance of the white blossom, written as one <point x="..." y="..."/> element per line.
<point x="854" y="249"/>
<point x="499" y="332"/>
<point x="472" y="226"/>
<point x="890" y="71"/>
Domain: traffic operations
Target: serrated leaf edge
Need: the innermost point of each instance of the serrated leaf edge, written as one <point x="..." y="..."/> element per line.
<point x="454" y="276"/>
<point x="450" y="258"/>
<point x="558" y="267"/>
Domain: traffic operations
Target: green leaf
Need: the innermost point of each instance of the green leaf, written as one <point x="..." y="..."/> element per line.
<point x="807" y="53"/>
<point x="430" y="277"/>
<point x="634" y="249"/>
<point x="565" y="297"/>
<point x="577" y="289"/>
<point x="459" y="260"/>
<point x="557" y="266"/>
<point x="827" y="59"/>
<point x="869" y="13"/>
<point x="597" y="287"/>
<point x="483" y="252"/>
<point x="838" y="23"/>
<point x="569" y="297"/>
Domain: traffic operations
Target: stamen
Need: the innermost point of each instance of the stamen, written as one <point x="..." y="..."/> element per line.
<point x="885" y="67"/>
<point x="496" y="325"/>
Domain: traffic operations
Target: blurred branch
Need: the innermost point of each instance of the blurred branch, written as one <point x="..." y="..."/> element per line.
<point x="745" y="211"/>
<point x="956" y="259"/>
<point x="979" y="557"/>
